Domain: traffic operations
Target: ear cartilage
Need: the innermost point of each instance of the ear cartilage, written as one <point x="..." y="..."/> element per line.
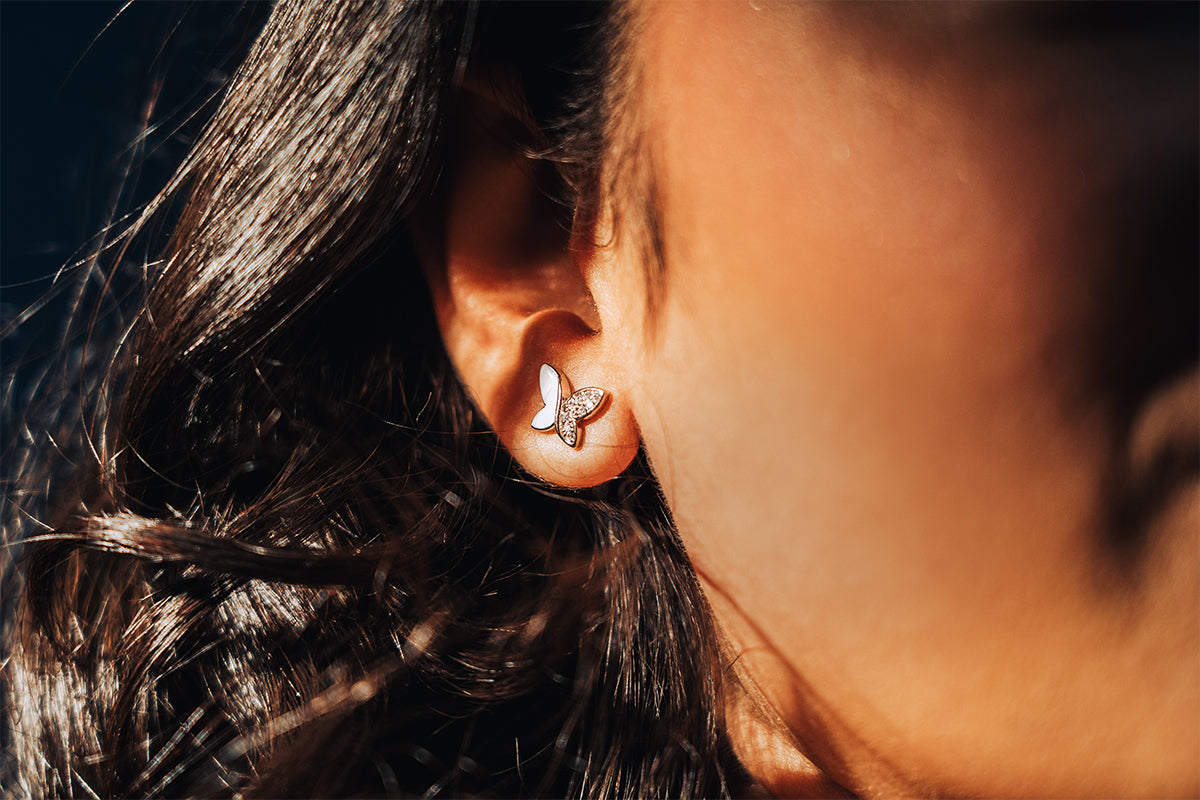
<point x="563" y="414"/>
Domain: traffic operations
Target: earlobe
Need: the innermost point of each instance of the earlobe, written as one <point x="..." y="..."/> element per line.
<point x="587" y="437"/>
<point x="515" y="310"/>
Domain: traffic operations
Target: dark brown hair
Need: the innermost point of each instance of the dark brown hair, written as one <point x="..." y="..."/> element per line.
<point x="283" y="555"/>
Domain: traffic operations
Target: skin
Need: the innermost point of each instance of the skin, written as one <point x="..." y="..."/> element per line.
<point x="927" y="337"/>
<point x="875" y="392"/>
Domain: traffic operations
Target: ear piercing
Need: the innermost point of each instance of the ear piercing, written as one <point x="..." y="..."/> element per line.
<point x="564" y="414"/>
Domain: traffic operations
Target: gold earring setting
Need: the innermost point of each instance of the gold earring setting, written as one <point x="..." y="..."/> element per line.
<point x="563" y="414"/>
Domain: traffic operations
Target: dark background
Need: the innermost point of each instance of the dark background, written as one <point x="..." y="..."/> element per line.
<point x="98" y="105"/>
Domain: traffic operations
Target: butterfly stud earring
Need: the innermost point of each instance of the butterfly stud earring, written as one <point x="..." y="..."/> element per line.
<point x="564" y="414"/>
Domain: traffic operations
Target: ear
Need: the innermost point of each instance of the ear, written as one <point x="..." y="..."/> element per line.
<point x="511" y="286"/>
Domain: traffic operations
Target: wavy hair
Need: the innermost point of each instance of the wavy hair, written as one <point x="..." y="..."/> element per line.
<point x="287" y="557"/>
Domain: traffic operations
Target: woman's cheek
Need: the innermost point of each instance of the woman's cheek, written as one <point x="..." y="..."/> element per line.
<point x="865" y="399"/>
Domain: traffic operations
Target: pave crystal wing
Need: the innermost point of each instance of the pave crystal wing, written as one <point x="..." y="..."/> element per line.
<point x="576" y="407"/>
<point x="550" y="385"/>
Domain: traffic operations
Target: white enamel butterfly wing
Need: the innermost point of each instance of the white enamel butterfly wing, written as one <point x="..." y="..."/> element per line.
<point x="563" y="414"/>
